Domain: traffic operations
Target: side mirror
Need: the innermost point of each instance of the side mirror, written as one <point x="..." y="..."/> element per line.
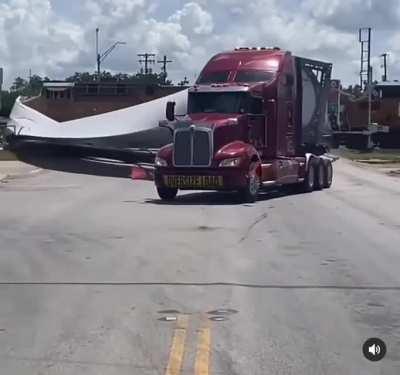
<point x="167" y="125"/>
<point x="170" y="111"/>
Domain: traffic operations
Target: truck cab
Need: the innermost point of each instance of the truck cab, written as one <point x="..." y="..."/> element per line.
<point x="244" y="127"/>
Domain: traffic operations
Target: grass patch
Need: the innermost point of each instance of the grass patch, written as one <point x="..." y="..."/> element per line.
<point x="6" y="155"/>
<point x="372" y="157"/>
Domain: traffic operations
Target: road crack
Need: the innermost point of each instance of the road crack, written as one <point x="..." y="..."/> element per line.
<point x="252" y="225"/>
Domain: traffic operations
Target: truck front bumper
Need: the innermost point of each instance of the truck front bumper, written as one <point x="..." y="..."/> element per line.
<point x="232" y="178"/>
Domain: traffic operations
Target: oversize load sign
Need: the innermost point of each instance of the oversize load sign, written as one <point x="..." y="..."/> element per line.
<point x="201" y="182"/>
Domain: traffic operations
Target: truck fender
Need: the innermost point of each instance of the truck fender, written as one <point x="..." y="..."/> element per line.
<point x="309" y="156"/>
<point x="254" y="159"/>
<point x="324" y="158"/>
<point x="238" y="148"/>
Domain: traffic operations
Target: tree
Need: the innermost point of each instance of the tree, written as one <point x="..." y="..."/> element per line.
<point x="81" y="77"/>
<point x="185" y="82"/>
<point x="7" y="99"/>
<point x="35" y="83"/>
<point x="19" y="84"/>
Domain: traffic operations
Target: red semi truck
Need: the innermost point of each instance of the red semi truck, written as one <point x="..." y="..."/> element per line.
<point x="256" y="118"/>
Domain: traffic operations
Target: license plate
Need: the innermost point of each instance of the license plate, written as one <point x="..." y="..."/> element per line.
<point x="201" y="182"/>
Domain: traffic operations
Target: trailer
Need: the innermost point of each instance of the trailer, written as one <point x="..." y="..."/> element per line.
<point x="256" y="118"/>
<point x="362" y="122"/>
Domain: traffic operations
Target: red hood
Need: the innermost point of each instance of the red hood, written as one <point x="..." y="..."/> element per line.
<point x="214" y="119"/>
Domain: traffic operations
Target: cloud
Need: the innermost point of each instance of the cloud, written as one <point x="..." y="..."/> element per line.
<point x="33" y="37"/>
<point x="35" y="34"/>
<point x="193" y="18"/>
<point x="351" y="14"/>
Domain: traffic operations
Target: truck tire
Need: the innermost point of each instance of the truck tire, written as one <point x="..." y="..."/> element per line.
<point x="249" y="193"/>
<point x="167" y="194"/>
<point x="309" y="180"/>
<point x="320" y="170"/>
<point x="328" y="174"/>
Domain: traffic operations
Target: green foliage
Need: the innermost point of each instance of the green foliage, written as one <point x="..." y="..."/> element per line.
<point x="138" y="78"/>
<point x="7" y="99"/>
<point x="22" y="87"/>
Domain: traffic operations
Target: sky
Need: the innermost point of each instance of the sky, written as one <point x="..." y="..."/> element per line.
<point x="56" y="38"/>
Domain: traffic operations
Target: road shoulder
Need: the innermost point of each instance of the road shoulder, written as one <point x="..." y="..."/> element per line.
<point x="12" y="169"/>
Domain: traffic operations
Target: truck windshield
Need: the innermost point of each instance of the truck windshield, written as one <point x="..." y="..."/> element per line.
<point x="245" y="76"/>
<point x="213" y="77"/>
<point x="217" y="102"/>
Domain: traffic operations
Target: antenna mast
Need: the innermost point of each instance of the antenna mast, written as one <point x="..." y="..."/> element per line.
<point x="364" y="37"/>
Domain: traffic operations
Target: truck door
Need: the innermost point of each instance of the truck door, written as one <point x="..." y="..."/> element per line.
<point x="256" y="121"/>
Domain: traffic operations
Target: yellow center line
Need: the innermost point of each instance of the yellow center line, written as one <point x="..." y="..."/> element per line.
<point x="202" y="363"/>
<point x="178" y="347"/>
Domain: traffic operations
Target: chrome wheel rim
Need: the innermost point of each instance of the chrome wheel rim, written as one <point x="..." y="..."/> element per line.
<point x="253" y="185"/>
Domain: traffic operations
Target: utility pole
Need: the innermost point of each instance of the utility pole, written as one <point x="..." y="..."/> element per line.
<point x="148" y="58"/>
<point x="164" y="63"/>
<point x="100" y="57"/>
<point x="384" y="77"/>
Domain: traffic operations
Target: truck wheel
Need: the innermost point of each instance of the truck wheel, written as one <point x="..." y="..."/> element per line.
<point x="250" y="192"/>
<point x="309" y="180"/>
<point x="319" y="183"/>
<point x="328" y="174"/>
<point x="167" y="194"/>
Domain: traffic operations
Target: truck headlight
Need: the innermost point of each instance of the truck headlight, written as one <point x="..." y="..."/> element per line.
<point x="160" y="162"/>
<point x="231" y="162"/>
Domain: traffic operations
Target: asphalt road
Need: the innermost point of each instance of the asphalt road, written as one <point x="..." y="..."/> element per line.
<point x="98" y="277"/>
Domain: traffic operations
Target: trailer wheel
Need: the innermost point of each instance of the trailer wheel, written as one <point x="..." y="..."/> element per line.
<point x="320" y="170"/>
<point x="328" y="174"/>
<point x="167" y="194"/>
<point x="309" y="180"/>
<point x="249" y="194"/>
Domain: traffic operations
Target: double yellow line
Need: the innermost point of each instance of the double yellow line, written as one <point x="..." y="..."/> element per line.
<point x="177" y="353"/>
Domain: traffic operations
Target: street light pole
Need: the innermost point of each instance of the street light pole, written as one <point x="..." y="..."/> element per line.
<point x="100" y="57"/>
<point x="384" y="55"/>
<point x="98" y="54"/>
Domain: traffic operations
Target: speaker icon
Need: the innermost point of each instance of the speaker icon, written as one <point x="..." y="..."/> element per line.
<point x="374" y="349"/>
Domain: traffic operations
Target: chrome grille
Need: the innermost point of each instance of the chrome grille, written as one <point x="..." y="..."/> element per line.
<point x="192" y="147"/>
